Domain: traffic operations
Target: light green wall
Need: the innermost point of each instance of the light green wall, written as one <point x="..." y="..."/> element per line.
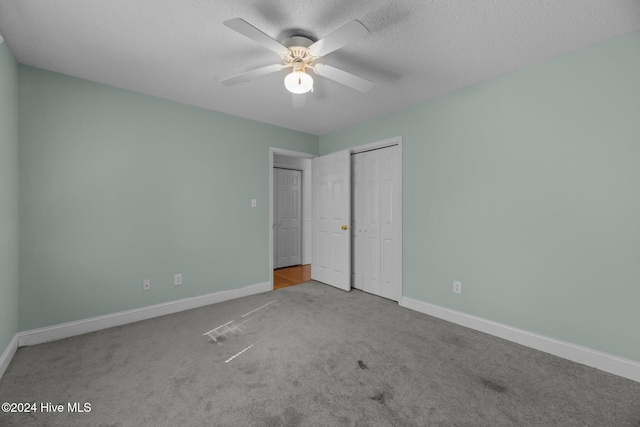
<point x="8" y="197"/>
<point x="527" y="189"/>
<point x="118" y="187"/>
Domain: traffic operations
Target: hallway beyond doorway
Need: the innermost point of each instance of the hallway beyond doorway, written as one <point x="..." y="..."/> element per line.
<point x="289" y="276"/>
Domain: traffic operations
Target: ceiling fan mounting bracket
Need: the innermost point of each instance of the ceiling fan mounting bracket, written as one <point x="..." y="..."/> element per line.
<point x="298" y="56"/>
<point x="297" y="41"/>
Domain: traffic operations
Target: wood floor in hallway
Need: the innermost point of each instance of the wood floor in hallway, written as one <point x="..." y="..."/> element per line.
<point x="289" y="276"/>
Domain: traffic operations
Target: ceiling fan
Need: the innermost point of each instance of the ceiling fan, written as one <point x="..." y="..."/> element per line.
<point x="300" y="54"/>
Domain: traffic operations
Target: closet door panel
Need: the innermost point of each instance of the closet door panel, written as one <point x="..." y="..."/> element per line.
<point x="371" y="222"/>
<point x="375" y="227"/>
<point x="389" y="229"/>
<point x="356" y="220"/>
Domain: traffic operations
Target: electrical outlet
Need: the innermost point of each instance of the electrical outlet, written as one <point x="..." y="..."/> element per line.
<point x="146" y="285"/>
<point x="177" y="279"/>
<point x="254" y="203"/>
<point x="457" y="287"/>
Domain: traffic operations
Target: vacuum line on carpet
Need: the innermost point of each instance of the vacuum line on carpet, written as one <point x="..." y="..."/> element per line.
<point x="238" y="354"/>
<point x="247" y="348"/>
<point x="244" y="315"/>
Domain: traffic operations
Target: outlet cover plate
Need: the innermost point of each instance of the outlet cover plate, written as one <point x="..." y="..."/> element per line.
<point x="457" y="287"/>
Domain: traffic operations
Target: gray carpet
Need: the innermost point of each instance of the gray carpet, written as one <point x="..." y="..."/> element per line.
<point x="314" y="356"/>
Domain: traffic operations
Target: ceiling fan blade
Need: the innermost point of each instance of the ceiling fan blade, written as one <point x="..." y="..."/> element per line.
<point x="298" y="100"/>
<point x="248" y="30"/>
<point x="342" y="77"/>
<point x="341" y="37"/>
<point x="250" y="75"/>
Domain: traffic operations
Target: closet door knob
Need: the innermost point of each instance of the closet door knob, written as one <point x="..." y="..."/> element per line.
<point x="344" y="227"/>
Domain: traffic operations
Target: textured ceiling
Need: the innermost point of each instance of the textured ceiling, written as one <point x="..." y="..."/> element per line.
<point x="417" y="49"/>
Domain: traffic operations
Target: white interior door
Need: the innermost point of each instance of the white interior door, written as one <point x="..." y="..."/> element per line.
<point x="390" y="208"/>
<point x="376" y="222"/>
<point x="331" y="206"/>
<point x="371" y="222"/>
<point x="288" y="221"/>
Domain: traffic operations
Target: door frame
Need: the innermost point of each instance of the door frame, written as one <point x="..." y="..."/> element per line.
<point x="282" y="152"/>
<point x="397" y="140"/>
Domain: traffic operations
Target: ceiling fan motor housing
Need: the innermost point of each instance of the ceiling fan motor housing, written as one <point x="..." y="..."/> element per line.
<point x="298" y="57"/>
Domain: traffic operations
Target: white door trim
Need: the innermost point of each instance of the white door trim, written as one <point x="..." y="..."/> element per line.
<point x="283" y="152"/>
<point x="397" y="140"/>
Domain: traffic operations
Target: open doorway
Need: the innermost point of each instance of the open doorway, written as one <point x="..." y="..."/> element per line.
<point x="290" y="217"/>
<point x="373" y="173"/>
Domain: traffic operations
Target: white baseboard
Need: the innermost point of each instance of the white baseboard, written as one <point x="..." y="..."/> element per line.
<point x="8" y="354"/>
<point x="79" y="327"/>
<point x="586" y="356"/>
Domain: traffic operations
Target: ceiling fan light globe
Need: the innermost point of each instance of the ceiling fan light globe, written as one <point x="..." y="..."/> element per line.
<point x="298" y="82"/>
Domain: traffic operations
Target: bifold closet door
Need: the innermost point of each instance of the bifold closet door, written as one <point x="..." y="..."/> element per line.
<point x="376" y="227"/>
<point x="390" y="210"/>
<point x="371" y="222"/>
<point x="356" y="220"/>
